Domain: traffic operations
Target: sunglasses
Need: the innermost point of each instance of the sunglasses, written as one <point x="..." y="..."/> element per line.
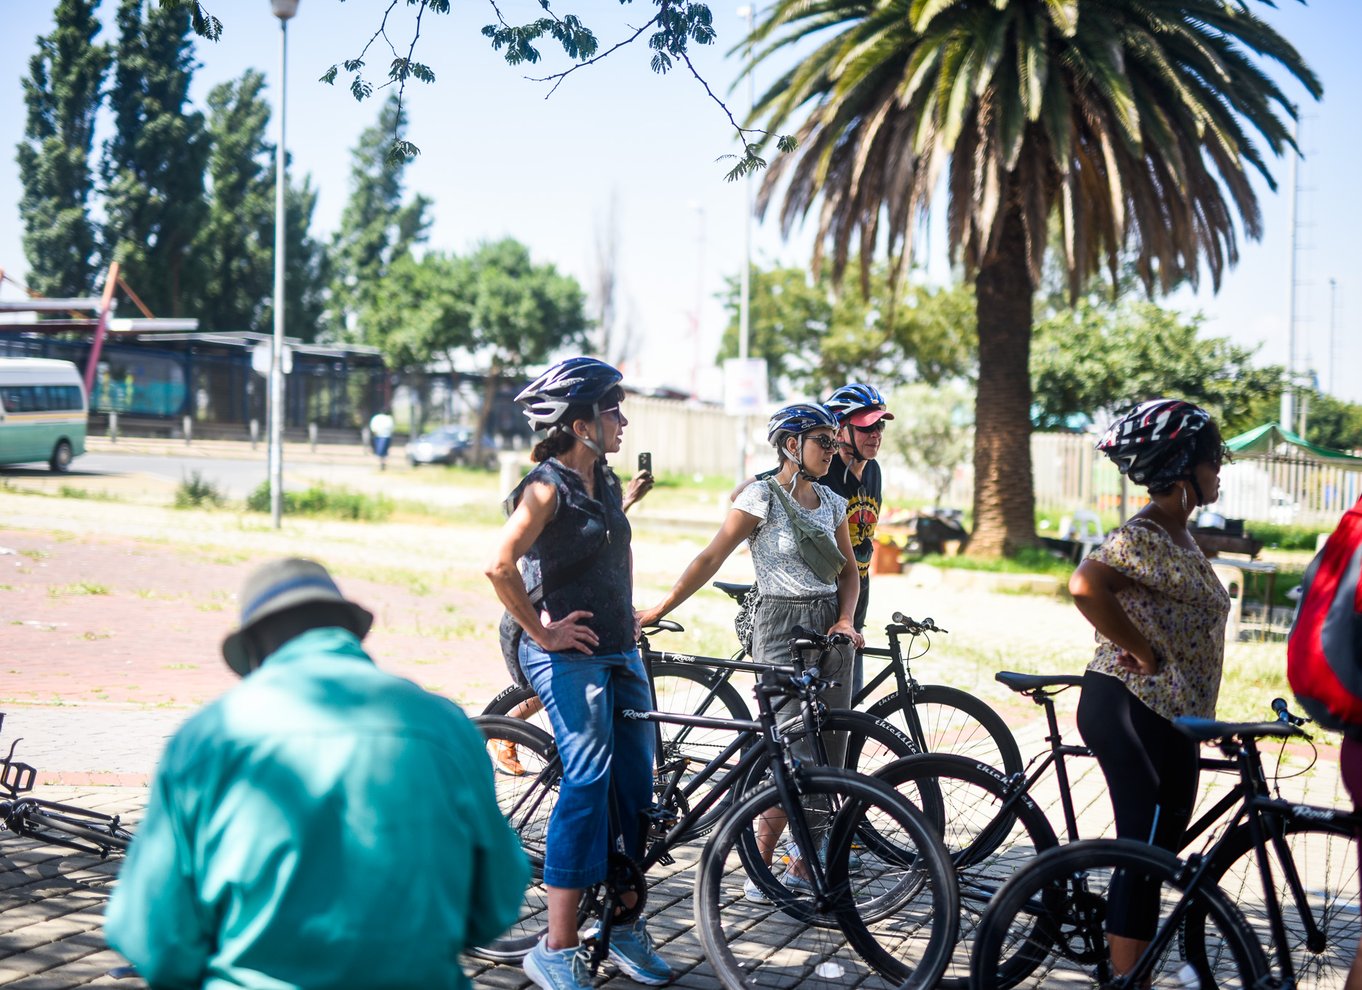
<point x="826" y="442"/>
<point x="872" y="428"/>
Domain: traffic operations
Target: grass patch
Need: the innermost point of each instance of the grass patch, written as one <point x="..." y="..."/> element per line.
<point x="67" y="491"/>
<point x="180" y="666"/>
<point x="1027" y="561"/>
<point x="92" y="636"/>
<point x="337" y="503"/>
<point x="74" y="590"/>
<point x="198" y="492"/>
<point x="36" y="554"/>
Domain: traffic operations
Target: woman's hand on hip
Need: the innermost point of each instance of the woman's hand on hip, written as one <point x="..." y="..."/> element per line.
<point x="569" y="633"/>
<point x="1138" y="665"/>
<point x="845" y="628"/>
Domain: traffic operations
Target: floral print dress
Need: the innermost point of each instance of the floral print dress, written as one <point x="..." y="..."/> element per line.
<point x="1180" y="606"/>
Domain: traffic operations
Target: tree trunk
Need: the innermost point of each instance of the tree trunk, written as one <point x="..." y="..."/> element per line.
<point x="1004" y="496"/>
<point x="484" y="414"/>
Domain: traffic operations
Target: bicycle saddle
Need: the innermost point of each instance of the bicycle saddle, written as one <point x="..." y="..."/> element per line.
<point x="1030" y="682"/>
<point x="734" y="591"/>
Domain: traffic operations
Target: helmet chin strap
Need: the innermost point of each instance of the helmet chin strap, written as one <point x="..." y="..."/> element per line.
<point x="798" y="459"/>
<point x="1196" y="489"/>
<point x="850" y="444"/>
<point x="596" y="446"/>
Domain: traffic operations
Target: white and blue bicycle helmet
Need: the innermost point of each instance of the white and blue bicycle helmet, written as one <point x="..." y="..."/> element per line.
<point x="578" y="381"/>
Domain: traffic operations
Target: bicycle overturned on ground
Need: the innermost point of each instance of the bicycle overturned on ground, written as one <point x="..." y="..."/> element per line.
<point x="1282" y="876"/>
<point x="937" y="718"/>
<point x="873" y="902"/>
<point x="52" y="822"/>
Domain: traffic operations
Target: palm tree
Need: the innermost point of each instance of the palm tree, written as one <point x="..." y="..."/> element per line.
<point x="1129" y="124"/>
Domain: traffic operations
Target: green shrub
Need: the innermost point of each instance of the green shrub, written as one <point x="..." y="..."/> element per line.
<point x="1029" y="560"/>
<point x="196" y="491"/>
<point x="1285" y="537"/>
<point x="339" y="503"/>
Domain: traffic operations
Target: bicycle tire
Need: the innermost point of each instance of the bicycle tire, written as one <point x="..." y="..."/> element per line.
<point x="962" y="799"/>
<point x="1325" y="855"/>
<point x="1062" y="895"/>
<point x="891" y="923"/>
<point x="527" y="802"/>
<point x="872" y="744"/>
<point x="511" y="698"/>
<point x="37" y="818"/>
<point x="952" y="721"/>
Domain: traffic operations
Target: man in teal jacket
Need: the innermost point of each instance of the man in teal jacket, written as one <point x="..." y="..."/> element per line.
<point x="321" y="825"/>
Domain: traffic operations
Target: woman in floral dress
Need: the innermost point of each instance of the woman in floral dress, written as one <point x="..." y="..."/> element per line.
<point x="1159" y="613"/>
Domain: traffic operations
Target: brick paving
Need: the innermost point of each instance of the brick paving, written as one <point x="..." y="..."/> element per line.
<point x="51" y="901"/>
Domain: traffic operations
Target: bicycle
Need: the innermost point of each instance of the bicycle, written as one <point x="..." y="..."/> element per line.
<point x="527" y="799"/>
<point x="51" y="822"/>
<point x="936" y="717"/>
<point x="1053" y="909"/>
<point x="870" y="742"/>
<point x="886" y="906"/>
<point x="989" y="820"/>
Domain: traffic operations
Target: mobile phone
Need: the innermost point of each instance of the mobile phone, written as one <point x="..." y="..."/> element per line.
<point x="645" y="462"/>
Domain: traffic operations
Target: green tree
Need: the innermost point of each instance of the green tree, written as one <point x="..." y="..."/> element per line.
<point x="1136" y="124"/>
<point x="1331" y="422"/>
<point x="376" y="227"/>
<point x="153" y="166"/>
<point x="815" y="338"/>
<point x="425" y="311"/>
<point x="520" y="313"/>
<point x="1095" y="359"/>
<point x="235" y="245"/>
<point x="61" y="96"/>
<point x="933" y="430"/>
<point x="307" y="268"/>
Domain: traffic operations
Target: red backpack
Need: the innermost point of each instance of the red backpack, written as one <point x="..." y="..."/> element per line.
<point x="1324" y="651"/>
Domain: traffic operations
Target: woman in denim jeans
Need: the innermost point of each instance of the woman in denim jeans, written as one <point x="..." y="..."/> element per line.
<point x="568" y="539"/>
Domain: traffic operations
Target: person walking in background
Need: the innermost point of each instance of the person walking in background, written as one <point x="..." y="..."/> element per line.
<point x="564" y="571"/>
<point x="322" y="824"/>
<point x="1159" y="612"/>
<point x="798" y="584"/>
<point x="862" y="416"/>
<point x="381" y="427"/>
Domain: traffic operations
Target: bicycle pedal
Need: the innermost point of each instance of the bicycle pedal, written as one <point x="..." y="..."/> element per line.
<point x="666" y="859"/>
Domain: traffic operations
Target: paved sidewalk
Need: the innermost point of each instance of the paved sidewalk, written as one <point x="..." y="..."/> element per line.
<point x="51" y="901"/>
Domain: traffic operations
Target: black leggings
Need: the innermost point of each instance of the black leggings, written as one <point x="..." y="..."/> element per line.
<point x="1151" y="770"/>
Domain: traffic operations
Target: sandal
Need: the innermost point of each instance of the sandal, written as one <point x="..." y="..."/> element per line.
<point x="506" y="760"/>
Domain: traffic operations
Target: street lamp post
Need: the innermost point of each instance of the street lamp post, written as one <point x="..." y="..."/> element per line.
<point x="284" y="10"/>
<point x="749" y="13"/>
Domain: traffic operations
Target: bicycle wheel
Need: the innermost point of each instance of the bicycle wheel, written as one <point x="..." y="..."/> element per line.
<point x="526" y="800"/>
<point x="871" y="744"/>
<point x="964" y="801"/>
<point x="1325" y="857"/>
<point x="941" y="719"/>
<point x="885" y="919"/>
<point x="35" y="818"/>
<point x="1046" y="926"/>
<point x="512" y="698"/>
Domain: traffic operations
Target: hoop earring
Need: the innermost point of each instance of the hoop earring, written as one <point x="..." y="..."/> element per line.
<point x="1184" y="500"/>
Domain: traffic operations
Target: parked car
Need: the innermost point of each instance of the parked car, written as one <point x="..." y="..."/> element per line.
<point x="450" y="445"/>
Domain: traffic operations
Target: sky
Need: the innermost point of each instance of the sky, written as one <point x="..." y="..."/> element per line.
<point x="502" y="157"/>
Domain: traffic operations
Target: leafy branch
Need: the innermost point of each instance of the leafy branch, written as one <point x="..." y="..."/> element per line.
<point x="675" y="26"/>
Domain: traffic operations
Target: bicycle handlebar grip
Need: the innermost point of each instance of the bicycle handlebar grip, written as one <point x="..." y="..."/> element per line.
<point x="1284" y="714"/>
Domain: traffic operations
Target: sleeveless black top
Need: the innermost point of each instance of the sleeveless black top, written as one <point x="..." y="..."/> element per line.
<point x="581" y="559"/>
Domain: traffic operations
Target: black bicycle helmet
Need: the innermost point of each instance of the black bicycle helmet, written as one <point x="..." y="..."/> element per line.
<point x="1153" y="444"/>
<point x="578" y="381"/>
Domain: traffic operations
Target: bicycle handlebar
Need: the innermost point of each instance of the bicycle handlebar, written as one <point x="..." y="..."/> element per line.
<point x="916" y="627"/>
<point x="1284" y="714"/>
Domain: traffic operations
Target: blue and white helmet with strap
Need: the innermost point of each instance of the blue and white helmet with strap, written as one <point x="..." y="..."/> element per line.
<point x="578" y="381"/>
<point x="798" y="419"/>
<point x="852" y="398"/>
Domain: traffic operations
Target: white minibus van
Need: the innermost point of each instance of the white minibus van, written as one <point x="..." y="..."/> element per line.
<point x="42" y="412"/>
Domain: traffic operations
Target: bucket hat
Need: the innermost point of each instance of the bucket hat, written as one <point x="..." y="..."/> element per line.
<point x="281" y="585"/>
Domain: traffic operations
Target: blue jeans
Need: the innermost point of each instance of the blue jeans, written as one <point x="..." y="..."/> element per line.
<point x="603" y="755"/>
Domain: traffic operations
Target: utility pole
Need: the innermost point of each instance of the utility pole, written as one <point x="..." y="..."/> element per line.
<point x="1333" y="335"/>
<point x="745" y="305"/>
<point x="1288" y="409"/>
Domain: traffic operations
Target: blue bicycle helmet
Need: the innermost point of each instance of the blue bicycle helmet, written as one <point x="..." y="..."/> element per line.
<point x="796" y="420"/>
<point x="578" y="381"/>
<point x="855" y="397"/>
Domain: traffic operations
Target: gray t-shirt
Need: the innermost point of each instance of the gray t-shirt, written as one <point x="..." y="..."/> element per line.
<point x="775" y="556"/>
